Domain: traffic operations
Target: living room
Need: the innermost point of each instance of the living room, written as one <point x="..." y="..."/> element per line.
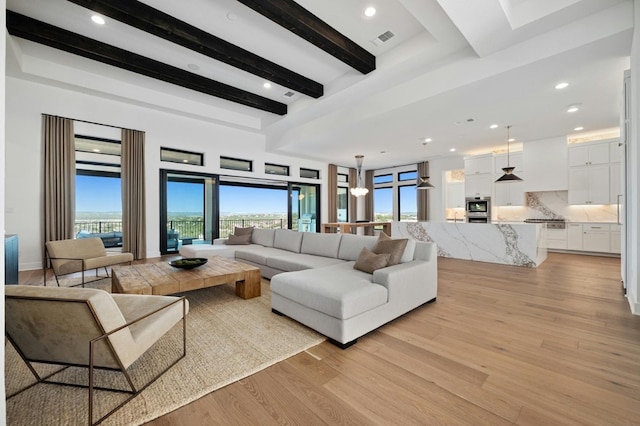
<point x="41" y="80"/>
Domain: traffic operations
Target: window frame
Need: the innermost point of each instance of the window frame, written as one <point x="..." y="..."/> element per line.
<point x="200" y="155"/>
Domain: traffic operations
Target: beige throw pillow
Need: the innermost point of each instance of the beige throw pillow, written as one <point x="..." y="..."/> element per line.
<point x="368" y="261"/>
<point x="243" y="231"/>
<point x="238" y="240"/>
<point x="395" y="248"/>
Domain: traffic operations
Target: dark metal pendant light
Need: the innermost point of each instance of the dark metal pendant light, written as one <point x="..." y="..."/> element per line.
<point x="508" y="175"/>
<point x="423" y="181"/>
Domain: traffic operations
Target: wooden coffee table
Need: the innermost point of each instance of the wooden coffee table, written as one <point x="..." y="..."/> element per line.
<point x="162" y="278"/>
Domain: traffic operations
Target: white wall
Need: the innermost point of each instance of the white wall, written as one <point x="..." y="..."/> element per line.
<point x="437" y="169"/>
<point x="633" y="150"/>
<point x="3" y="37"/>
<point x="26" y="101"/>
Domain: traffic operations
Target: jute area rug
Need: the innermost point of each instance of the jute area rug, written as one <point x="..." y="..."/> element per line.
<point x="228" y="339"/>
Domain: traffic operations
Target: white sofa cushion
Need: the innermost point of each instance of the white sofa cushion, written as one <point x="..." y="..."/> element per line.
<point x="326" y="245"/>
<point x="300" y="261"/>
<point x="208" y="250"/>
<point x="409" y="251"/>
<point x="287" y="239"/>
<point x="338" y="291"/>
<point x="257" y="254"/>
<point x="351" y="245"/>
<point x="264" y="237"/>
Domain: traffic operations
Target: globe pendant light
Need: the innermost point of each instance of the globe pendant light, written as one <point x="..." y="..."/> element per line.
<point x="423" y="181"/>
<point x="508" y="175"/>
<point x="359" y="190"/>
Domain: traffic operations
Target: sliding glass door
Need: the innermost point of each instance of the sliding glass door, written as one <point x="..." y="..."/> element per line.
<point x="189" y="209"/>
<point x="304" y="207"/>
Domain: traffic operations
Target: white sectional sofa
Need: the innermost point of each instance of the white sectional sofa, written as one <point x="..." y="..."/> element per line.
<point x="313" y="279"/>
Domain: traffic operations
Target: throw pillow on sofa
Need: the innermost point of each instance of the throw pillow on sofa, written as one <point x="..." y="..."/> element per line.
<point x="369" y="261"/>
<point x="238" y="240"/>
<point x="243" y="231"/>
<point x="395" y="248"/>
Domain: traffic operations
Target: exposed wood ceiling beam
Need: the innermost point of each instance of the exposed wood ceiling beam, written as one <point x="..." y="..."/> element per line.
<point x="160" y="24"/>
<point x="40" y="32"/>
<point x="295" y="18"/>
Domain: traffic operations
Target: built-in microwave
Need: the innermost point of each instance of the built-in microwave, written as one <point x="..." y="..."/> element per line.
<point x="478" y="206"/>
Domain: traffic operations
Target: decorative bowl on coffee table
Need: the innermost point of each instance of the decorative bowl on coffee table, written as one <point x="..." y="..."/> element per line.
<point x="188" y="262"/>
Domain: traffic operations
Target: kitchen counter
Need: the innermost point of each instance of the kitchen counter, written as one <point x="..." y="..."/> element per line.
<point x="513" y="243"/>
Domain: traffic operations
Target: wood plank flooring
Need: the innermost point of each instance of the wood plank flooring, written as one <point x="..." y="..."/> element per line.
<point x="556" y="345"/>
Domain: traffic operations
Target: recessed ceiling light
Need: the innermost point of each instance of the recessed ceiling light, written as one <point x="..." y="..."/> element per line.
<point x="185" y="161"/>
<point x="493" y="126"/>
<point x="267" y="85"/>
<point x="562" y="85"/>
<point x="95" y="150"/>
<point x="194" y="67"/>
<point x="572" y="108"/>
<point x="511" y="139"/>
<point x="452" y="149"/>
<point x="370" y="11"/>
<point x="232" y="16"/>
<point x="98" y="19"/>
<point x="428" y="139"/>
<point x="577" y="129"/>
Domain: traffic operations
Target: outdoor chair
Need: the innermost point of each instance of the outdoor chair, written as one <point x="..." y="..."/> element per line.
<point x="90" y="328"/>
<point x="80" y="255"/>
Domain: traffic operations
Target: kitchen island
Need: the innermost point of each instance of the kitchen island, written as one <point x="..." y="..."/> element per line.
<point x="507" y="243"/>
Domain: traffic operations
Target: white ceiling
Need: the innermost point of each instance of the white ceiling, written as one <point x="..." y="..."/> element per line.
<point x="451" y="61"/>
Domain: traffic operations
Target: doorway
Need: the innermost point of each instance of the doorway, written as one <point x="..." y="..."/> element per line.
<point x="189" y="209"/>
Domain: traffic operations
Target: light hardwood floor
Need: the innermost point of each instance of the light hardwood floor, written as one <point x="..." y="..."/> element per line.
<point x="556" y="345"/>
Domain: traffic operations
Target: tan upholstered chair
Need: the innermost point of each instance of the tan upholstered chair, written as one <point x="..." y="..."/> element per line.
<point x="80" y="255"/>
<point x="90" y="328"/>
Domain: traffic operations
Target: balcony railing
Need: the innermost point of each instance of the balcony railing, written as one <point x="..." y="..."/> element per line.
<point x="193" y="229"/>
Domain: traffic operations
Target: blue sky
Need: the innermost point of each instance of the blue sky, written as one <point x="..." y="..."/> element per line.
<point x="98" y="194"/>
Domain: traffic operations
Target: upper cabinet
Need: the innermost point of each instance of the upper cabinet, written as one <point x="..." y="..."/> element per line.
<point x="587" y="154"/>
<point x="591" y="180"/>
<point x="478" y="176"/>
<point x="514" y="160"/>
<point x="509" y="193"/>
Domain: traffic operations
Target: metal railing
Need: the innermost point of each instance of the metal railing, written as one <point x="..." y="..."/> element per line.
<point x="97" y="227"/>
<point x="193" y="229"/>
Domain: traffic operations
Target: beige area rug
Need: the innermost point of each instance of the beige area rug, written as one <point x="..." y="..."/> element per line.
<point x="228" y="339"/>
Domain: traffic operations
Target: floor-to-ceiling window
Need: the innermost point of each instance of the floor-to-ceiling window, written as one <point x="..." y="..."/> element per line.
<point x="343" y="197"/>
<point x="188" y="209"/>
<point x="395" y="194"/>
<point x="98" y="190"/>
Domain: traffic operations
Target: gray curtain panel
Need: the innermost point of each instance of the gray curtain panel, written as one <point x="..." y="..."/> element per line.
<point x="353" y="201"/>
<point x="134" y="222"/>
<point x="59" y="178"/>
<point x="332" y="204"/>
<point x="423" y="194"/>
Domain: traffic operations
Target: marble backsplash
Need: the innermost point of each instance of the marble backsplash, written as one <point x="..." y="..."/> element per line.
<point x="555" y="205"/>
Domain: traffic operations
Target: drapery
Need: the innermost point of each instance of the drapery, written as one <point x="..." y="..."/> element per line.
<point x="59" y="178"/>
<point x="423" y="194"/>
<point x="332" y="204"/>
<point x="134" y="223"/>
<point x="353" y="200"/>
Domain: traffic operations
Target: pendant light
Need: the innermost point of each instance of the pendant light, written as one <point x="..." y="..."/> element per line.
<point x="508" y="175"/>
<point x="359" y="190"/>
<point x="423" y="181"/>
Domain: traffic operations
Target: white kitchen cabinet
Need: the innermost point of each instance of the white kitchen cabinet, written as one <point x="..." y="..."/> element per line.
<point x="556" y="238"/>
<point x="509" y="193"/>
<point x="614" y="239"/>
<point x="478" y="165"/>
<point x="574" y="236"/>
<point x="589" y="184"/>
<point x="478" y="176"/>
<point x="478" y="185"/>
<point x="515" y="160"/>
<point x="455" y="195"/>
<point x="615" y="151"/>
<point x="615" y="179"/>
<point x="596" y="237"/>
<point x="589" y="154"/>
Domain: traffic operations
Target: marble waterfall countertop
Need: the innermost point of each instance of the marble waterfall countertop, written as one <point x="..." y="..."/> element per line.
<point x="508" y="243"/>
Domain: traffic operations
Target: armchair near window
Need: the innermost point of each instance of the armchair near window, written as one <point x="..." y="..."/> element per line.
<point x="89" y="328"/>
<point x="79" y="255"/>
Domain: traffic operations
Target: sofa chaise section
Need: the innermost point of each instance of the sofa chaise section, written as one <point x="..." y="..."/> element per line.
<point x="344" y="303"/>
